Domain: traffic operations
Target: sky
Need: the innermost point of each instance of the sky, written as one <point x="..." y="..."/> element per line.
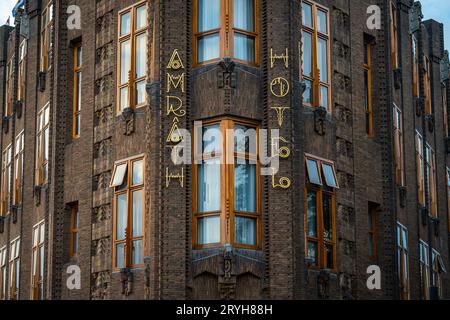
<point x="438" y="10"/>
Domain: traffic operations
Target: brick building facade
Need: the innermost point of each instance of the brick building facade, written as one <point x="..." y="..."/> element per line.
<point x="88" y="179"/>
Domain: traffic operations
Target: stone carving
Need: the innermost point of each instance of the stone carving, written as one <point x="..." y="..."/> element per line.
<point x="415" y="17"/>
<point x="227" y="282"/>
<point x="102" y="213"/>
<point x="445" y="67"/>
<point x="323" y="284"/>
<point x="126" y="278"/>
<point x="101" y="285"/>
<point x="147" y="278"/>
<point x="128" y="121"/>
<point x="320" y="115"/>
<point x="345" y="282"/>
<point x="226" y="80"/>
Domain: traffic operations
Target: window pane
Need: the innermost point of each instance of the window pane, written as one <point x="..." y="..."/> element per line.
<point x="208" y="47"/>
<point x="322" y="59"/>
<point x="245" y="231"/>
<point x="75" y="243"/>
<point x="209" y="230"/>
<point x="245" y="139"/>
<point x="244" y="47"/>
<point x="308" y="93"/>
<point x="124" y="98"/>
<point x="329" y="251"/>
<point x="140" y="93"/>
<point x="125" y="61"/>
<point x="312" y="214"/>
<point x="137" y="252"/>
<point x="138" y="172"/>
<point x="120" y="255"/>
<point x="243" y="15"/>
<point x="121" y="216"/>
<point x="366" y="90"/>
<point x="245" y="187"/>
<point x="78" y="92"/>
<point x="208" y="15"/>
<point x="209" y="186"/>
<point x="328" y="172"/>
<point x="313" y="172"/>
<point x="306" y="15"/>
<point x="141" y="55"/>
<point x="212" y="139"/>
<point x="137" y="213"/>
<point x="322" y="21"/>
<point x="125" y="23"/>
<point x="312" y="252"/>
<point x="306" y="54"/>
<point x="41" y="234"/>
<point x="327" y="217"/>
<point x="324" y="97"/>
<point x="79" y="56"/>
<point x="119" y="175"/>
<point x="141" y="17"/>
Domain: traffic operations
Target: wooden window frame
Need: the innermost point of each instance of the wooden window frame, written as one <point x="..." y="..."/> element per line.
<point x="227" y="186"/>
<point x="37" y="291"/>
<point x="22" y="71"/>
<point x="403" y="250"/>
<point x="398" y="146"/>
<point x="394" y="35"/>
<point x="19" y="149"/>
<point x="41" y="162"/>
<point x="9" y="87"/>
<point x="46" y="42"/>
<point x="226" y="33"/>
<point x="74" y="231"/>
<point x="14" y="270"/>
<point x="315" y="35"/>
<point x="77" y="72"/>
<point x="430" y="162"/>
<point x="420" y="168"/>
<point x="320" y="190"/>
<point x="131" y="36"/>
<point x="129" y="190"/>
<point x="373" y="220"/>
<point x="368" y="69"/>
<point x="424" y="269"/>
<point x="7" y="162"/>
<point x="427" y="85"/>
<point x="3" y="273"/>
<point x="415" y="65"/>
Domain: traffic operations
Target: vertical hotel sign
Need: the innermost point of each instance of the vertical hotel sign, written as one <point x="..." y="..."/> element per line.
<point x="280" y="88"/>
<point x="175" y="111"/>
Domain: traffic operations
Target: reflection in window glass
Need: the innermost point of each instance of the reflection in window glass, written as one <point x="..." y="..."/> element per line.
<point x="208" y="48"/>
<point x="245" y="231"/>
<point x="209" y="230"/>
<point x="209" y="186"/>
<point x="245" y="187"/>
<point x="306" y="15"/>
<point x="313" y="172"/>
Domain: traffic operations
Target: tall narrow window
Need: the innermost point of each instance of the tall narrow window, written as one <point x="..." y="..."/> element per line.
<point x="18" y="168"/>
<point x="445" y="108"/>
<point x="14" y="269"/>
<point x="38" y="262"/>
<point x="403" y="260"/>
<point x="132" y="57"/>
<point x="394" y="36"/>
<point x="427" y="84"/>
<point x="77" y="76"/>
<point x="9" y="87"/>
<point x="42" y="145"/>
<point x="226" y="28"/>
<point x="217" y="184"/>
<point x="372" y="220"/>
<point x="437" y="270"/>
<point x="430" y="159"/>
<point x="420" y="162"/>
<point x="320" y="218"/>
<point x="368" y="102"/>
<point x="316" y="55"/>
<point x="415" y="57"/>
<point x="46" y="35"/>
<point x="3" y="274"/>
<point x="398" y="146"/>
<point x="425" y="270"/>
<point x="129" y="190"/>
<point x="6" y="180"/>
<point x="22" y="71"/>
<point x="74" y="232"/>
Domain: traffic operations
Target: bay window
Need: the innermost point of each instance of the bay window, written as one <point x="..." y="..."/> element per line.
<point x="316" y="55"/>
<point x="398" y="147"/>
<point x="18" y="168"/>
<point x="46" y="35"/>
<point x="320" y="217"/>
<point x="132" y="57"/>
<point x="38" y="262"/>
<point x="14" y="269"/>
<point x="42" y="145"/>
<point x="403" y="260"/>
<point x="129" y="198"/>
<point x="226" y="194"/>
<point x="226" y="28"/>
<point x="77" y="78"/>
<point x="6" y="180"/>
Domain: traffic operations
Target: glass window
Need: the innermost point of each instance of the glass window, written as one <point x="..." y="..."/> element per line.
<point x="209" y="186"/>
<point x="307" y="15"/>
<point x="329" y="174"/>
<point x="245" y="187"/>
<point x="245" y="231"/>
<point x="313" y="172"/>
<point x="119" y="174"/>
<point x="209" y="230"/>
